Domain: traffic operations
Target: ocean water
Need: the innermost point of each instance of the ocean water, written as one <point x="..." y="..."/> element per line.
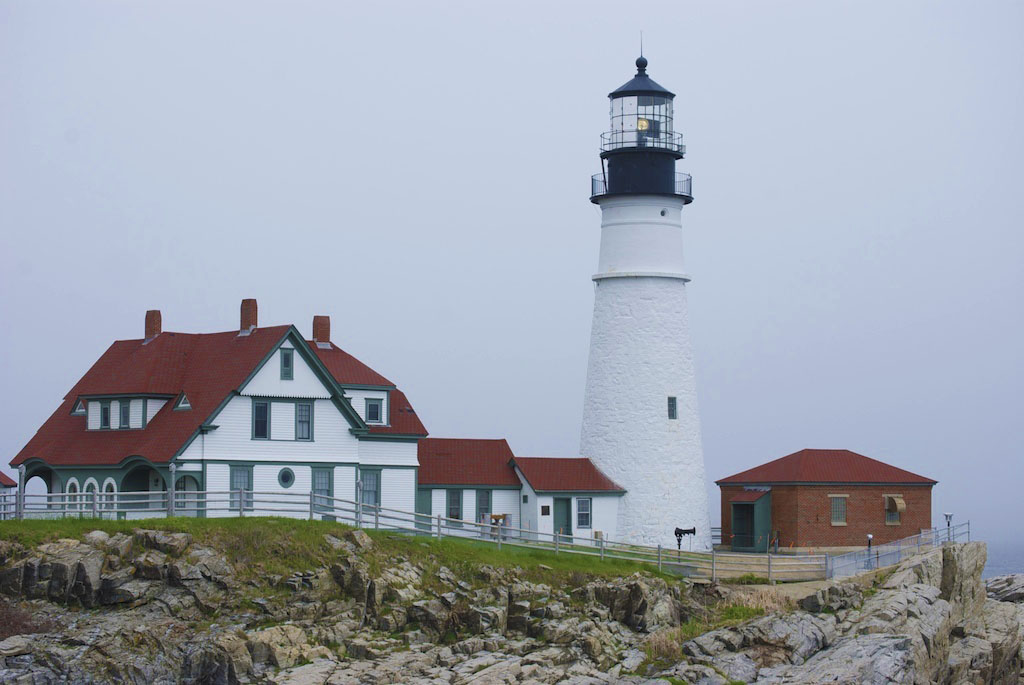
<point x="1004" y="557"/>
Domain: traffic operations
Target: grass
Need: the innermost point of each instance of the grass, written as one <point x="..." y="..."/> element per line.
<point x="260" y="546"/>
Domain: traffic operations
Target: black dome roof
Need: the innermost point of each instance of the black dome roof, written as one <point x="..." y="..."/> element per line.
<point x="641" y="84"/>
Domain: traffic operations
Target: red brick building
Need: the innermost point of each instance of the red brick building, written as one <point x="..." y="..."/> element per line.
<point x="823" y="498"/>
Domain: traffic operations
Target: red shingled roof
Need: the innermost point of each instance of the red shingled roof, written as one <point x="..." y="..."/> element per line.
<point x="826" y="466"/>
<point x="6" y="482"/>
<point x="459" y="461"/>
<point x="748" y="496"/>
<point x="207" y="367"/>
<point x="561" y="474"/>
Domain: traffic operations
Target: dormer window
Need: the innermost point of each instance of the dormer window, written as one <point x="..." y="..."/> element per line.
<point x="79" y="409"/>
<point x="287" y="364"/>
<point x="374" y="410"/>
<point x="125" y="410"/>
<point x="183" y="403"/>
<point x="105" y="414"/>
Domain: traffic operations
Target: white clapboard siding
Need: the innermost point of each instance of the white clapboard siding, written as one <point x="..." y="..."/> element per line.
<point x="438" y="502"/>
<point x="398" y="489"/>
<point x="267" y="381"/>
<point x="382" y="453"/>
<point x="93" y="409"/>
<point x="358" y="400"/>
<point x="332" y="442"/>
<point x="135" y="414"/>
<point x="606" y="514"/>
<point x="345" y="483"/>
<point x="282" y="421"/>
<point x="506" y="502"/>
<point x="152" y="407"/>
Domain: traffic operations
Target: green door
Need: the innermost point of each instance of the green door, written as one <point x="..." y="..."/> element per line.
<point x="423" y="505"/>
<point x="563" y="518"/>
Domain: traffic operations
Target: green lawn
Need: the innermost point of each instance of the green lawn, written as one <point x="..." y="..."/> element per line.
<point x="261" y="545"/>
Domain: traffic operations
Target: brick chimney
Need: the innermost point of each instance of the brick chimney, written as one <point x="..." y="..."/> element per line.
<point x="154" y="326"/>
<point x="322" y="329"/>
<point x="248" y="319"/>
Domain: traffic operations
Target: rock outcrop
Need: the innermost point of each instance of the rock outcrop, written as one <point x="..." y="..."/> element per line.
<point x="156" y="607"/>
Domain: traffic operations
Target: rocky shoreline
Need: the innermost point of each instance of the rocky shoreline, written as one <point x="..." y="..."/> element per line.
<point x="158" y="607"/>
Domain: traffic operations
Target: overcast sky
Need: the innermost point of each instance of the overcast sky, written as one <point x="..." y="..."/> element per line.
<point x="420" y="172"/>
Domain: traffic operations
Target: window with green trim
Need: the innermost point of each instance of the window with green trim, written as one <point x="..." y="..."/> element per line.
<point x="126" y="413"/>
<point x="672" y="411"/>
<point x="369" y="487"/>
<point x="323" y="489"/>
<point x="583" y="510"/>
<point x="260" y="420"/>
<point x="454" y="506"/>
<point x="241" y="487"/>
<point x="287" y="364"/>
<point x="105" y="414"/>
<point x="374" y="410"/>
<point x="483" y="505"/>
<point x="304" y="421"/>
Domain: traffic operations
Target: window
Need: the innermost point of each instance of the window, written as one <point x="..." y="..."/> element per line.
<point x="261" y="420"/>
<point x="672" y="413"/>
<point x="838" y="508"/>
<point x="126" y="413"/>
<point x="526" y="499"/>
<point x="374" y="410"/>
<point x="894" y="508"/>
<point x="483" y="506"/>
<point x="241" y="479"/>
<point x="545" y="510"/>
<point x="369" y="491"/>
<point x="105" y="414"/>
<point x="323" y="489"/>
<point x="583" y="512"/>
<point x="454" y="508"/>
<point x="287" y="365"/>
<point x="285" y="477"/>
<point x="79" y="408"/>
<point x="304" y="421"/>
<point x="183" y="403"/>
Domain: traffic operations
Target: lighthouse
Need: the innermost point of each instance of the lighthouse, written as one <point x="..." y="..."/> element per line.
<point x="640" y="420"/>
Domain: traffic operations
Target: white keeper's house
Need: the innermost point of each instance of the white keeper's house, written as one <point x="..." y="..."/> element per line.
<point x="263" y="409"/>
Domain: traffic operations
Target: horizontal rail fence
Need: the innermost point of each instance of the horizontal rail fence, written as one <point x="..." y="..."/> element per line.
<point x="311" y="505"/>
<point x="891" y="553"/>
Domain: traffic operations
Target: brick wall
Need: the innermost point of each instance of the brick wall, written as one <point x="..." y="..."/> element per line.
<point x="802" y="514"/>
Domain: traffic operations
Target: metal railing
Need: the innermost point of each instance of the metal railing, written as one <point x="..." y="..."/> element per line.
<point x="683" y="185"/>
<point x="617" y="140"/>
<point x="140" y="505"/>
<point x="891" y="553"/>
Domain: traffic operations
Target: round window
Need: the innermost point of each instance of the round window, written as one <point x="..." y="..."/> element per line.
<point x="286" y="477"/>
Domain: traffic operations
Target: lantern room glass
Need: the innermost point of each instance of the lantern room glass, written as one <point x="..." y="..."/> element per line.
<point x="640" y="121"/>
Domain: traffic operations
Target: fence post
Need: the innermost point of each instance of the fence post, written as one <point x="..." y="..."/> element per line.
<point x="770" y="582"/>
<point x="714" y="571"/>
<point x="828" y="573"/>
<point x="499" y="538"/>
<point x="95" y="507"/>
<point x="312" y="505"/>
<point x="438" y="526"/>
<point x="556" y="543"/>
<point x="376" y="517"/>
<point x="170" y="491"/>
<point x="241" y="502"/>
<point x="601" y="542"/>
<point x="659" y="557"/>
<point x="968" y="531"/>
<point x="19" y="501"/>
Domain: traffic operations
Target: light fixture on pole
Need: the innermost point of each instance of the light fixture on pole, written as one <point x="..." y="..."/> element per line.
<point x="870" y="537"/>
<point x="949" y="522"/>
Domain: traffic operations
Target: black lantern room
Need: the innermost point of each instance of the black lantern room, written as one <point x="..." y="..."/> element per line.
<point x="639" y="153"/>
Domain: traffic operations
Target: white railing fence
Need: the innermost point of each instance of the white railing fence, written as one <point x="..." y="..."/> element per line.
<point x="710" y="565"/>
<point x="891" y="553"/>
<point x="141" y="505"/>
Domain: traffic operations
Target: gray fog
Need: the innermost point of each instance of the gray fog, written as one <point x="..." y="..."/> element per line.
<point x="420" y="172"/>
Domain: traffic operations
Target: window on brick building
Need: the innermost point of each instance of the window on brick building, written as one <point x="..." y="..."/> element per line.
<point x="894" y="508"/>
<point x="837" y="504"/>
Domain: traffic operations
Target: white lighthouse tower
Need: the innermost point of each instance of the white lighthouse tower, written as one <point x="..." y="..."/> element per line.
<point x="640" y="423"/>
